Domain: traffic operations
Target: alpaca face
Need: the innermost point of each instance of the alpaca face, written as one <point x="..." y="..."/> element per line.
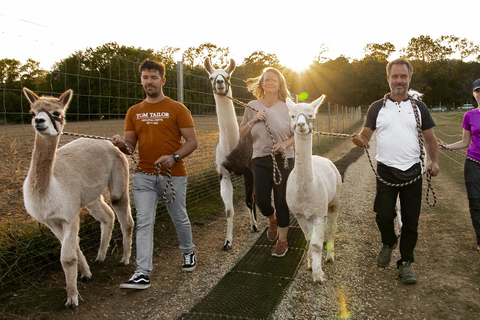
<point x="220" y="82"/>
<point x="219" y="78"/>
<point x="48" y="113"/>
<point x="303" y="115"/>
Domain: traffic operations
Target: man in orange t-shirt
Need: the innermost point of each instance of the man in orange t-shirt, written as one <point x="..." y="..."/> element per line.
<point x="157" y="125"/>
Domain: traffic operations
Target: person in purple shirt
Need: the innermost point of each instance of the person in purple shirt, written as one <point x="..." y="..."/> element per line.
<point x="471" y="140"/>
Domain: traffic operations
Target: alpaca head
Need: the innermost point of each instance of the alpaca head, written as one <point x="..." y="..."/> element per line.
<point x="415" y="94"/>
<point x="303" y="115"/>
<point x="48" y="112"/>
<point x="220" y="78"/>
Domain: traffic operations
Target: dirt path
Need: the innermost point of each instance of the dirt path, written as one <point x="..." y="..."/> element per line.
<point x="447" y="267"/>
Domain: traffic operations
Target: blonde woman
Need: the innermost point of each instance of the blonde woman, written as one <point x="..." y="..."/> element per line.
<point x="271" y="91"/>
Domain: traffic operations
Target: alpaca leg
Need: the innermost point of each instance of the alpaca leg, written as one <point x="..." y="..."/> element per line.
<point x="85" y="273"/>
<point x="330" y="230"/>
<point x="399" y="216"/>
<point x="124" y="215"/>
<point x="69" y="260"/>
<point x="250" y="200"/>
<point x="226" y="191"/>
<point x="306" y="227"/>
<point x="119" y="195"/>
<point x="103" y="214"/>
<point x="316" y="247"/>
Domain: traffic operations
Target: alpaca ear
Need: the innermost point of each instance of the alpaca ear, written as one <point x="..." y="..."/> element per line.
<point x="208" y="66"/>
<point x="289" y="103"/>
<point x="230" y="67"/>
<point x="317" y="103"/>
<point x="30" y="95"/>
<point x="66" y="97"/>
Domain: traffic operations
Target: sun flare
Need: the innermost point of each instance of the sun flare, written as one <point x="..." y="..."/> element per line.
<point x="298" y="61"/>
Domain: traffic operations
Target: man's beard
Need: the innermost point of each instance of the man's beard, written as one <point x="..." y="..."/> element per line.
<point x="152" y="94"/>
<point x="399" y="91"/>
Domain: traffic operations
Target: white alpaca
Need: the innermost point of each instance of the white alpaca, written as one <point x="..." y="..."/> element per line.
<point x="232" y="155"/>
<point x="313" y="188"/>
<point x="60" y="182"/>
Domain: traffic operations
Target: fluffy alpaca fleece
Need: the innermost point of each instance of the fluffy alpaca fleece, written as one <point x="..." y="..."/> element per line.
<point x="60" y="182"/>
<point x="313" y="188"/>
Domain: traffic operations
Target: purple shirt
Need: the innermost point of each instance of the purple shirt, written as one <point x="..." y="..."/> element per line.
<point x="471" y="122"/>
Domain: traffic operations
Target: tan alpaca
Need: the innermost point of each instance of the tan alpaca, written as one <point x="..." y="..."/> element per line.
<point x="60" y="182"/>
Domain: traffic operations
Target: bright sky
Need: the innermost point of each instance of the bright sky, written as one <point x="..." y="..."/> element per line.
<point x="50" y="30"/>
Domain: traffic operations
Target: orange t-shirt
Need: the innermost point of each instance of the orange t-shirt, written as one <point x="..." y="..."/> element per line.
<point x="157" y="127"/>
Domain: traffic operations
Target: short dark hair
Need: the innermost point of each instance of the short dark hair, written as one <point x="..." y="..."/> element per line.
<point x="399" y="61"/>
<point x="148" y="64"/>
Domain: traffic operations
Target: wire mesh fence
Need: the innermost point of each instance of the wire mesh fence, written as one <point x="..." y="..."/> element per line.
<point x="102" y="95"/>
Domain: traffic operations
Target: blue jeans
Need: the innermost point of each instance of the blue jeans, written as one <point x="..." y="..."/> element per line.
<point x="147" y="190"/>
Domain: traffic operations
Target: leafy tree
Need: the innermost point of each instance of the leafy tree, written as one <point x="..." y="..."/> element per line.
<point x="253" y="65"/>
<point x="195" y="56"/>
<point x="378" y="52"/>
<point x="319" y="58"/>
<point x="461" y="46"/>
<point x="426" y="49"/>
<point x="9" y="72"/>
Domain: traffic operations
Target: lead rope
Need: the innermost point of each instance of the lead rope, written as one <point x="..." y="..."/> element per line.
<point x="277" y="175"/>
<point x="156" y="171"/>
<point x="456" y="152"/>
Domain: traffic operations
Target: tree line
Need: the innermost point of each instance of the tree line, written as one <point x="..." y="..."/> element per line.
<point x="444" y="70"/>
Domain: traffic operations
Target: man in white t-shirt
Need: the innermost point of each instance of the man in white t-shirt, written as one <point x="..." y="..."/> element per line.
<point x="396" y="119"/>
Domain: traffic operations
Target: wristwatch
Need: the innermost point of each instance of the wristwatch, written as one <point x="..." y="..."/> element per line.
<point x="176" y="157"/>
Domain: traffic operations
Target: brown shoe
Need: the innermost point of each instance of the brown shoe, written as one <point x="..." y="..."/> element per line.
<point x="272" y="232"/>
<point x="281" y="248"/>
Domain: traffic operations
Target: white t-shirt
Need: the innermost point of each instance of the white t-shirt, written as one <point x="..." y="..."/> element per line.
<point x="397" y="136"/>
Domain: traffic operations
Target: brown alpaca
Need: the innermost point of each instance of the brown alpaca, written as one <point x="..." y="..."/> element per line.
<point x="60" y="182"/>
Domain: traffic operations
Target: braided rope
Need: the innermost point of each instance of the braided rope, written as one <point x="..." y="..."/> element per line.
<point x="277" y="175"/>
<point x="156" y="171"/>
<point x="461" y="154"/>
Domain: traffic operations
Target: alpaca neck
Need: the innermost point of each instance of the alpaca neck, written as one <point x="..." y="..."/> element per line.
<point x="227" y="121"/>
<point x="303" y="159"/>
<point x="41" y="166"/>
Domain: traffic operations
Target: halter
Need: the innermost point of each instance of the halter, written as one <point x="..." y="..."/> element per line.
<point x="227" y="84"/>
<point x="309" y="121"/>
<point x="54" y="119"/>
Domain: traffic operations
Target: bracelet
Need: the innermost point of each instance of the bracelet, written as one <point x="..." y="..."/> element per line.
<point x="248" y="124"/>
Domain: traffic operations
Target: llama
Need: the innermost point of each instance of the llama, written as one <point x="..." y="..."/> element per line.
<point x="232" y="156"/>
<point x="313" y="188"/>
<point x="60" y="182"/>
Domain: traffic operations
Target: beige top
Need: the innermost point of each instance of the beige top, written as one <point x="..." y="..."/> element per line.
<point x="278" y="119"/>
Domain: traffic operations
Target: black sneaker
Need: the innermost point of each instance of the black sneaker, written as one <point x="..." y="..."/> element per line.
<point x="385" y="255"/>
<point x="189" y="262"/>
<point x="405" y="273"/>
<point x="137" y="281"/>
